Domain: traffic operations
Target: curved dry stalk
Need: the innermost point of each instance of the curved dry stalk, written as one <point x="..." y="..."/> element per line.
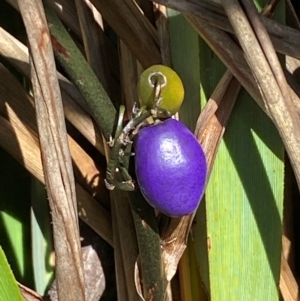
<point x="285" y="39"/>
<point x="17" y="54"/>
<point x="268" y="73"/>
<point x="30" y="295"/>
<point x="64" y="9"/>
<point x="232" y="56"/>
<point x="223" y="45"/>
<point x="133" y="28"/>
<point x="288" y="285"/>
<point x="56" y="157"/>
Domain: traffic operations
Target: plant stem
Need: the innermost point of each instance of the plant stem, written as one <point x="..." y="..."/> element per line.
<point x="116" y="158"/>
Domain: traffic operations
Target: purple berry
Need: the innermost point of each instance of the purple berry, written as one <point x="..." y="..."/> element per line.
<point x="170" y="167"/>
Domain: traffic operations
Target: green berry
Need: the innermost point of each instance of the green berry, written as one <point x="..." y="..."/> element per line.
<point x="171" y="91"/>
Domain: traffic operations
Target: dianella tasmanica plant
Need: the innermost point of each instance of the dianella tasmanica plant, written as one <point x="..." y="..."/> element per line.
<point x="149" y="150"/>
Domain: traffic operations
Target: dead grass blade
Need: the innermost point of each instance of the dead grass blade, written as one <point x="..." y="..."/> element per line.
<point x="268" y="73"/>
<point x="17" y="54"/>
<point x="125" y="239"/>
<point x="230" y="53"/>
<point x="133" y="28"/>
<point x="66" y="11"/>
<point x="232" y="56"/>
<point x="90" y="35"/>
<point x="121" y="285"/>
<point x="285" y="39"/>
<point x="214" y="116"/>
<point x="288" y="285"/>
<point x="292" y="15"/>
<point x="55" y="152"/>
<point x="30" y="295"/>
<point x="162" y="25"/>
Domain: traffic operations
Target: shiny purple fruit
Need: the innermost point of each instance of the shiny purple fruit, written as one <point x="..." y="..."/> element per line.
<point x="170" y="167"/>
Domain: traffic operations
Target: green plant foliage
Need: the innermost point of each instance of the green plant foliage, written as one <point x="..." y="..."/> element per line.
<point x="8" y="286"/>
<point x="15" y="217"/>
<point x="244" y="204"/>
<point x="237" y="233"/>
<point x="185" y="58"/>
<point x="42" y="246"/>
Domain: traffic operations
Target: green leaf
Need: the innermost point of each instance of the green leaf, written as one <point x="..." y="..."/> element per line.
<point x="41" y="230"/>
<point x="15" y="217"/>
<point x="237" y="230"/>
<point x="244" y="205"/>
<point x="185" y="57"/>
<point x="8" y="286"/>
